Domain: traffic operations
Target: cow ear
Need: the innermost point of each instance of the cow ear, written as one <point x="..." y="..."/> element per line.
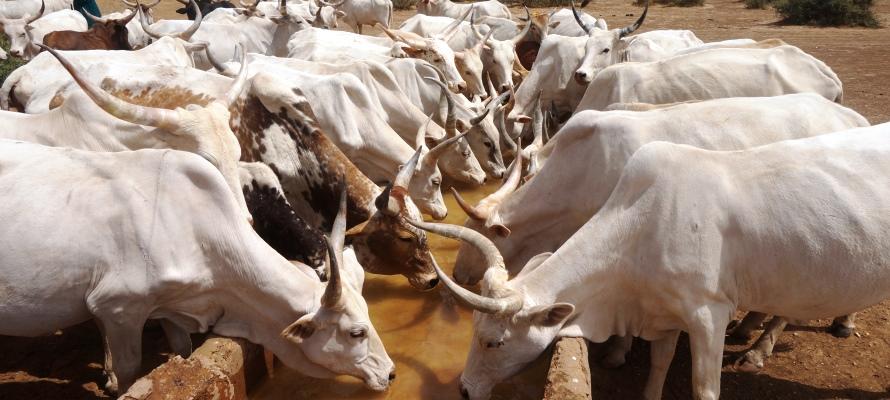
<point x="551" y="315"/>
<point x="523" y="119"/>
<point x="500" y="230"/>
<point x="430" y="142"/>
<point x="300" y="330"/>
<point x="340" y="14"/>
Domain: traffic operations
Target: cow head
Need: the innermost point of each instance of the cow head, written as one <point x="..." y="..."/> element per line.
<point x="113" y="30"/>
<point x="19" y="33"/>
<point x="499" y="56"/>
<point x="326" y="14"/>
<point x="137" y="36"/>
<point x="484" y="138"/>
<point x="185" y="35"/>
<point x="339" y="336"/>
<point x="509" y="329"/>
<point x="201" y="130"/>
<point x="432" y="50"/>
<point x="460" y="161"/>
<point x="387" y="244"/>
<point x="603" y="47"/>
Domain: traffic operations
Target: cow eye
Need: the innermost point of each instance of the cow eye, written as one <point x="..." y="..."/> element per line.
<point x="358" y="333"/>
<point x="494" y="345"/>
<point x="606" y="50"/>
<point x="487" y="144"/>
<point x="437" y="182"/>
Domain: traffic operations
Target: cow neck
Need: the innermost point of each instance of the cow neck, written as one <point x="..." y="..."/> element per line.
<point x="599" y="295"/>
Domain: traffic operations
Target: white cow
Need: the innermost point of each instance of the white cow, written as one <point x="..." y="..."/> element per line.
<point x="257" y="35"/>
<point x="366" y="12"/>
<point x="158" y="237"/>
<point x="323" y="15"/>
<point x="202" y="130"/>
<point x="687" y="237"/>
<point x="711" y="74"/>
<point x="32" y="86"/>
<point x="24" y="33"/>
<point x="602" y="46"/>
<point x="590" y="151"/>
<point x="447" y="8"/>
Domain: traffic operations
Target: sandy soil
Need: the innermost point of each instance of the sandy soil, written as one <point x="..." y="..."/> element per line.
<point x="808" y="363"/>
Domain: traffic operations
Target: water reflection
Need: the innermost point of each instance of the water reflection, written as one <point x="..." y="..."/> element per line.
<point x="425" y="334"/>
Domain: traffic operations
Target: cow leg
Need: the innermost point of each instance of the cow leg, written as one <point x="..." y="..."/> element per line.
<point x="661" y="353"/>
<point x="842" y="327"/>
<point x="618" y="348"/>
<point x="123" y="352"/>
<point x="707" y="332"/>
<point x="179" y="340"/>
<point x="753" y="359"/>
<point x="742" y="331"/>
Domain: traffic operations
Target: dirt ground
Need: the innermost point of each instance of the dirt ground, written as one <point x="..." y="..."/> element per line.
<point x="808" y="363"/>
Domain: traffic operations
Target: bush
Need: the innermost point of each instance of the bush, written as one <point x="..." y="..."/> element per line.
<point x="827" y="12"/>
<point x="679" y="3"/>
<point x="758" y="3"/>
<point x="403" y="4"/>
<point x="10" y="64"/>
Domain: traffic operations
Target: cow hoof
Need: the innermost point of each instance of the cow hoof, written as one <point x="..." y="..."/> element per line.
<point x="840" y="331"/>
<point x="751" y="362"/>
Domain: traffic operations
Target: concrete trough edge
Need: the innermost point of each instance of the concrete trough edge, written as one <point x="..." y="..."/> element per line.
<point x="221" y="369"/>
<point x="569" y="374"/>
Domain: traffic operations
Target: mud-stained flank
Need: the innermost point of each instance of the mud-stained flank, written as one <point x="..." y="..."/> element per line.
<point x="277" y="223"/>
<point x="158" y="97"/>
<point x="323" y="167"/>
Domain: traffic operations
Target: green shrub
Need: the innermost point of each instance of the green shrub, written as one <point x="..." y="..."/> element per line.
<point x="403" y="4"/>
<point x="827" y="12"/>
<point x="679" y="3"/>
<point x="10" y="64"/>
<point x="758" y="3"/>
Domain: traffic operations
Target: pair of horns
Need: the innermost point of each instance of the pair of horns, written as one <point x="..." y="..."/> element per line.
<point x="141" y="115"/>
<point x="526" y="29"/>
<point x="627" y="30"/>
<point x="104" y="20"/>
<point x="484" y="210"/>
<point x="496" y="274"/>
<point x="184" y="35"/>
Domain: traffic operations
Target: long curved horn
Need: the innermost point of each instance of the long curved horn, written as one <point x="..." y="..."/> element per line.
<point x="451" y="29"/>
<point x="399" y="36"/>
<point x="403" y="178"/>
<point x="432" y="157"/>
<point x="95" y="18"/>
<point x="627" y="30"/>
<point x="483" y="210"/>
<point x="149" y="116"/>
<point x="39" y="14"/>
<point x="528" y="26"/>
<point x="127" y="19"/>
<point x="338" y="231"/>
<point x="450" y="119"/>
<point x="282" y="8"/>
<point x="502" y="128"/>
<point x="471" y="211"/>
<point x="219" y="66"/>
<point x="578" y="19"/>
<point x="238" y="86"/>
<point x="187" y="34"/>
<point x="538" y="122"/>
<point x="333" y="291"/>
<point x="149" y="30"/>
<point x="503" y="306"/>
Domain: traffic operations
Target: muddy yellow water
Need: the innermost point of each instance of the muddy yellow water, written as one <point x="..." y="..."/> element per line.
<point x="426" y="337"/>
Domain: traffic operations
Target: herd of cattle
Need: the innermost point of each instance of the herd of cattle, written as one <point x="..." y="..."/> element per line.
<point x="240" y="172"/>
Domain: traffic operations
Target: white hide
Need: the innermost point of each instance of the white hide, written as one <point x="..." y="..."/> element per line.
<point x="22" y="36"/>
